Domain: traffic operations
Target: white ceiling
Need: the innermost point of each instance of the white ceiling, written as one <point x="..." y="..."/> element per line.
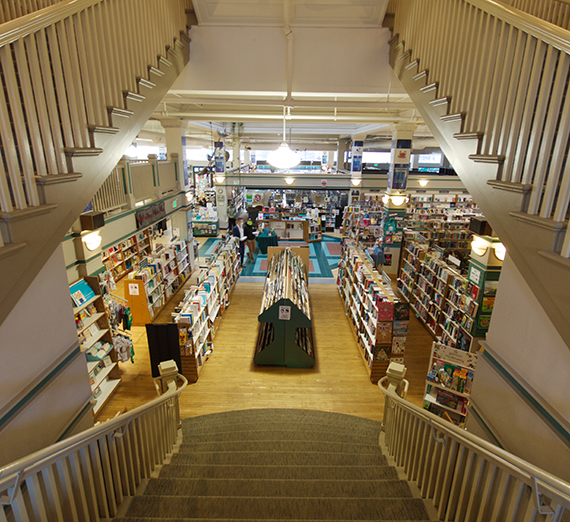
<point x="326" y="61"/>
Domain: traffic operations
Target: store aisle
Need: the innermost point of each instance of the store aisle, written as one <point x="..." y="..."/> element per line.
<point x="230" y="381"/>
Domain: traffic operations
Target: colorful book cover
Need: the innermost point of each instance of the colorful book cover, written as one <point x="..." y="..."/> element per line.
<point x="384" y="332"/>
<point x="81" y="292"/>
<point x="398" y="344"/>
<point x="381" y="353"/>
<point x="487" y="305"/>
<point x="401" y="312"/>
<point x="484" y="321"/>
<point x="401" y="328"/>
<point x="385" y="311"/>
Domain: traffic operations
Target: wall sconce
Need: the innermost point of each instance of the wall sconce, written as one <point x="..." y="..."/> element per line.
<point x="92" y="241"/>
<point x="479" y="246"/>
<point x="356" y="181"/>
<point x="398" y="200"/>
<point x="500" y="251"/>
<point x="423" y="182"/>
<point x="289" y="181"/>
<point x="385" y="199"/>
<point x="220" y="179"/>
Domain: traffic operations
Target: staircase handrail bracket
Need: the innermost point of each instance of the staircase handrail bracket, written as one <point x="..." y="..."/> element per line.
<point x="541" y="483"/>
<point x="27" y="466"/>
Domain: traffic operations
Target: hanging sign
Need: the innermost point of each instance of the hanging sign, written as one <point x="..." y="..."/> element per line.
<point x="150" y="215"/>
<point x="219" y="157"/>
<point x="400" y="165"/>
<point x="357" y="148"/>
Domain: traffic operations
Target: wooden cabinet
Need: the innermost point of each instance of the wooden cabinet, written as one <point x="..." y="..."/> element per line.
<point x="95" y="340"/>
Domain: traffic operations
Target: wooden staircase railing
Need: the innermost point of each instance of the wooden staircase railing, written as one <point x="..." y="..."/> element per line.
<point x="464" y="476"/>
<point x="89" y="475"/>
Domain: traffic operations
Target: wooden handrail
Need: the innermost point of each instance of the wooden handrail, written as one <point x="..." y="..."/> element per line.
<point x="552" y="486"/>
<point x="34" y="462"/>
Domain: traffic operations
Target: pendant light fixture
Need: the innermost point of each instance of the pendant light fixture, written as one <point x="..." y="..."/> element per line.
<point x="283" y="157"/>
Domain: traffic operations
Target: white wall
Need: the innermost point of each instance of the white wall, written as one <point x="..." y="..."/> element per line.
<point x="326" y="60"/>
<point x="524" y="341"/>
<point x="39" y="334"/>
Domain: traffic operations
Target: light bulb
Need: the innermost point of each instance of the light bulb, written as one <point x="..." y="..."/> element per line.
<point x="283" y="157"/>
<point x="500" y="251"/>
<point x="220" y="179"/>
<point x="289" y="181"/>
<point x="423" y="182"/>
<point x="356" y="181"/>
<point x="398" y="200"/>
<point x="479" y="246"/>
<point x="92" y="241"/>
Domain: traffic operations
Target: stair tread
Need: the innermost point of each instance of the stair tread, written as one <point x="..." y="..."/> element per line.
<point x="278" y="488"/>
<point x="147" y="519"/>
<point x="284" y="435"/>
<point x="291" y="445"/>
<point x="293" y="508"/>
<point x="190" y="470"/>
<point x="280" y="458"/>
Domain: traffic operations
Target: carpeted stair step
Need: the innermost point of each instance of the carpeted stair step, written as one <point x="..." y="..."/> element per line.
<point x="304" y="472"/>
<point x="145" y="519"/>
<point x="279" y="458"/>
<point x="279" y="445"/>
<point x="278" y="488"/>
<point x="271" y="508"/>
<point x="264" y="434"/>
<point x="239" y="430"/>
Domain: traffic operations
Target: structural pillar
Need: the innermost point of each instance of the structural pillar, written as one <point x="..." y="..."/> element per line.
<point x="343" y="146"/>
<point x="395" y="198"/>
<point x="220" y="183"/>
<point x="175" y="137"/>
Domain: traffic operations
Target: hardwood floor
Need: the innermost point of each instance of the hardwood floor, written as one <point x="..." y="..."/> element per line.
<point x="230" y="381"/>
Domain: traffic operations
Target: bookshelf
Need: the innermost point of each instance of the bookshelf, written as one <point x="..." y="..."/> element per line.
<point x="449" y="383"/>
<point x="122" y="258"/>
<point x="455" y="308"/>
<point x="380" y="320"/>
<point x="312" y="232"/>
<point x="159" y="276"/>
<point x="198" y="315"/>
<point x="95" y="340"/>
<point x="285" y="336"/>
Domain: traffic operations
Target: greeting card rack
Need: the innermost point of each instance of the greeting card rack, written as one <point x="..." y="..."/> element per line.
<point x="285" y="336"/>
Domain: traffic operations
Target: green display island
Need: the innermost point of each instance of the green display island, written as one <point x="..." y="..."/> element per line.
<point x="285" y="336"/>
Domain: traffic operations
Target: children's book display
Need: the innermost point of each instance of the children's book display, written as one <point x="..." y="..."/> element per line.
<point x="122" y="258"/>
<point x="285" y="336"/>
<point x="455" y="309"/>
<point x="199" y="313"/>
<point x="449" y="382"/>
<point x="205" y="221"/>
<point x="95" y="340"/>
<point x="159" y="276"/>
<point x="381" y="322"/>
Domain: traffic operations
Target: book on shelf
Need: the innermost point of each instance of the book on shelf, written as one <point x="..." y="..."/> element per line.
<point x="81" y="292"/>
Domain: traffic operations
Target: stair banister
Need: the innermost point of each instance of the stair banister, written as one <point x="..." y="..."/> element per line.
<point x="95" y="468"/>
<point x="441" y="475"/>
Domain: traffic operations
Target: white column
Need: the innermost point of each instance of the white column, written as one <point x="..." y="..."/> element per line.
<point x="236" y="153"/>
<point x="175" y="137"/>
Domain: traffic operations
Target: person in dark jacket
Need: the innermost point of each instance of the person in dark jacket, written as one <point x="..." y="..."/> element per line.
<point x="238" y="231"/>
<point x="250" y="234"/>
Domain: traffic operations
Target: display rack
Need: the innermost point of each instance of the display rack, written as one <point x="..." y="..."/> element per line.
<point x="285" y="336"/>
<point x="95" y="340"/>
<point x="198" y="315"/>
<point x="205" y="228"/>
<point x="159" y="276"/>
<point x="122" y="258"/>
<point x="380" y="320"/>
<point x="449" y="383"/>
<point x="312" y="232"/>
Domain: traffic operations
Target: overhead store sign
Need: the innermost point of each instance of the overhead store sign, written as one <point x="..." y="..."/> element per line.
<point x="150" y="215"/>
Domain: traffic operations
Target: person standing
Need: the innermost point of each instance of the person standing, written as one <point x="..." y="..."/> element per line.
<point x="250" y="234"/>
<point x="238" y="232"/>
<point x="231" y="213"/>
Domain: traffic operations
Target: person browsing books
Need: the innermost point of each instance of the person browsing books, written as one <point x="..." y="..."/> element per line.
<point x="238" y="232"/>
<point x="250" y="234"/>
